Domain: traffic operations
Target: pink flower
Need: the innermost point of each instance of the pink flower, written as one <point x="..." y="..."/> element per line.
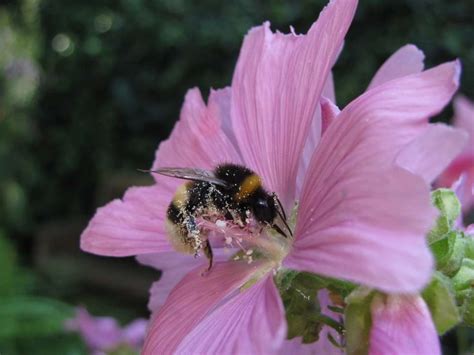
<point x="362" y="214"/>
<point x="103" y="334"/>
<point x="464" y="163"/>
<point x="402" y="325"/>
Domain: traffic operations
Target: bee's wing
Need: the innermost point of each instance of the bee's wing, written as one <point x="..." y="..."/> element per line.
<point x="189" y="174"/>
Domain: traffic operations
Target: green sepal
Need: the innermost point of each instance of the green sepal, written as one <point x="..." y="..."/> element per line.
<point x="467" y="309"/>
<point x="299" y="292"/>
<point x="469" y="248"/>
<point x="448" y="204"/>
<point x="439" y="297"/>
<point x="464" y="278"/>
<point x="449" y="252"/>
<point x="284" y="279"/>
<point x="340" y="287"/>
<point x="358" y="320"/>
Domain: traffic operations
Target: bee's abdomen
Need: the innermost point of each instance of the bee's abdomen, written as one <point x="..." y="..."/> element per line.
<point x="174" y="214"/>
<point x="199" y="196"/>
<point x="189" y="199"/>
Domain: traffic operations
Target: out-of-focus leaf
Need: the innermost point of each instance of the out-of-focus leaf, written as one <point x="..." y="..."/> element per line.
<point x="24" y="317"/>
<point x="123" y="350"/>
<point x="63" y="344"/>
<point x="7" y="266"/>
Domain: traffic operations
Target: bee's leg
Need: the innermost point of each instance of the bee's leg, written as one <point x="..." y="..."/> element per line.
<point x="240" y="217"/>
<point x="228" y="216"/>
<point x="208" y="252"/>
<point x="193" y="237"/>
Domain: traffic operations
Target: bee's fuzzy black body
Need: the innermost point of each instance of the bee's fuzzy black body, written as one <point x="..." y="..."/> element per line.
<point x="230" y="192"/>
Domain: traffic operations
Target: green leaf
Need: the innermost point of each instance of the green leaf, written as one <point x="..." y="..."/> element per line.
<point x="467" y="309"/>
<point x="22" y="317"/>
<point x="439" y="297"/>
<point x="448" y="204"/>
<point x="449" y="252"/>
<point x="358" y="321"/>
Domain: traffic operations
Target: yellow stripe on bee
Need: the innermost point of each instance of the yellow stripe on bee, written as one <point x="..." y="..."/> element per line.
<point x="248" y="186"/>
<point x="181" y="196"/>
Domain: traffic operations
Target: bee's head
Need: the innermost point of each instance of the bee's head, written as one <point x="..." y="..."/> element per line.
<point x="264" y="208"/>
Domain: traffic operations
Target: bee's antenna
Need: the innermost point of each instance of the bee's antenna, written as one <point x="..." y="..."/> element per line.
<point x="279" y="230"/>
<point x="286" y="224"/>
<point x="282" y="214"/>
<point x="279" y="204"/>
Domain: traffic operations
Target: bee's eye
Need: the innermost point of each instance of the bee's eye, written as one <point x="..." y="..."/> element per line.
<point x="261" y="203"/>
<point x="263" y="210"/>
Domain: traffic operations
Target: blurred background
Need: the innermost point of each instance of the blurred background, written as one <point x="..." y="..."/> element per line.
<point x="87" y="92"/>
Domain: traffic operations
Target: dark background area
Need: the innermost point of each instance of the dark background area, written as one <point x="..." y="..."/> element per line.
<point x="87" y="92"/>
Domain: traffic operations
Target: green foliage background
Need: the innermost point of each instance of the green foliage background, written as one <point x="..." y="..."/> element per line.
<point x="89" y="89"/>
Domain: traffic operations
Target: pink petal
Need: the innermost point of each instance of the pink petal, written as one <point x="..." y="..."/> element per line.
<point x="368" y="228"/>
<point x="402" y="325"/>
<point x="132" y="226"/>
<point x="464" y="163"/>
<point x="329" y="111"/>
<point x="99" y="333"/>
<point x="279" y="79"/>
<point x="174" y="266"/>
<point x="464" y="118"/>
<point x="193" y="299"/>
<point x="470" y="230"/>
<point x="219" y="106"/>
<point x="329" y="91"/>
<point x="459" y="187"/>
<point x="198" y="139"/>
<point x="407" y="60"/>
<point x="325" y="114"/>
<point x="430" y="153"/>
<point x="359" y="217"/>
<point x="134" y="333"/>
<point x="252" y="322"/>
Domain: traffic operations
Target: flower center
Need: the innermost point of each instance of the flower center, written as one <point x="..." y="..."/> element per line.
<point x="250" y="242"/>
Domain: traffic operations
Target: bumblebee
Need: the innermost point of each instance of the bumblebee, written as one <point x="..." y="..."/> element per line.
<point x="232" y="192"/>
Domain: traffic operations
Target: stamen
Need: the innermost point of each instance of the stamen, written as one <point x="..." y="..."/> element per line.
<point x="221" y="224"/>
<point x="253" y="239"/>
